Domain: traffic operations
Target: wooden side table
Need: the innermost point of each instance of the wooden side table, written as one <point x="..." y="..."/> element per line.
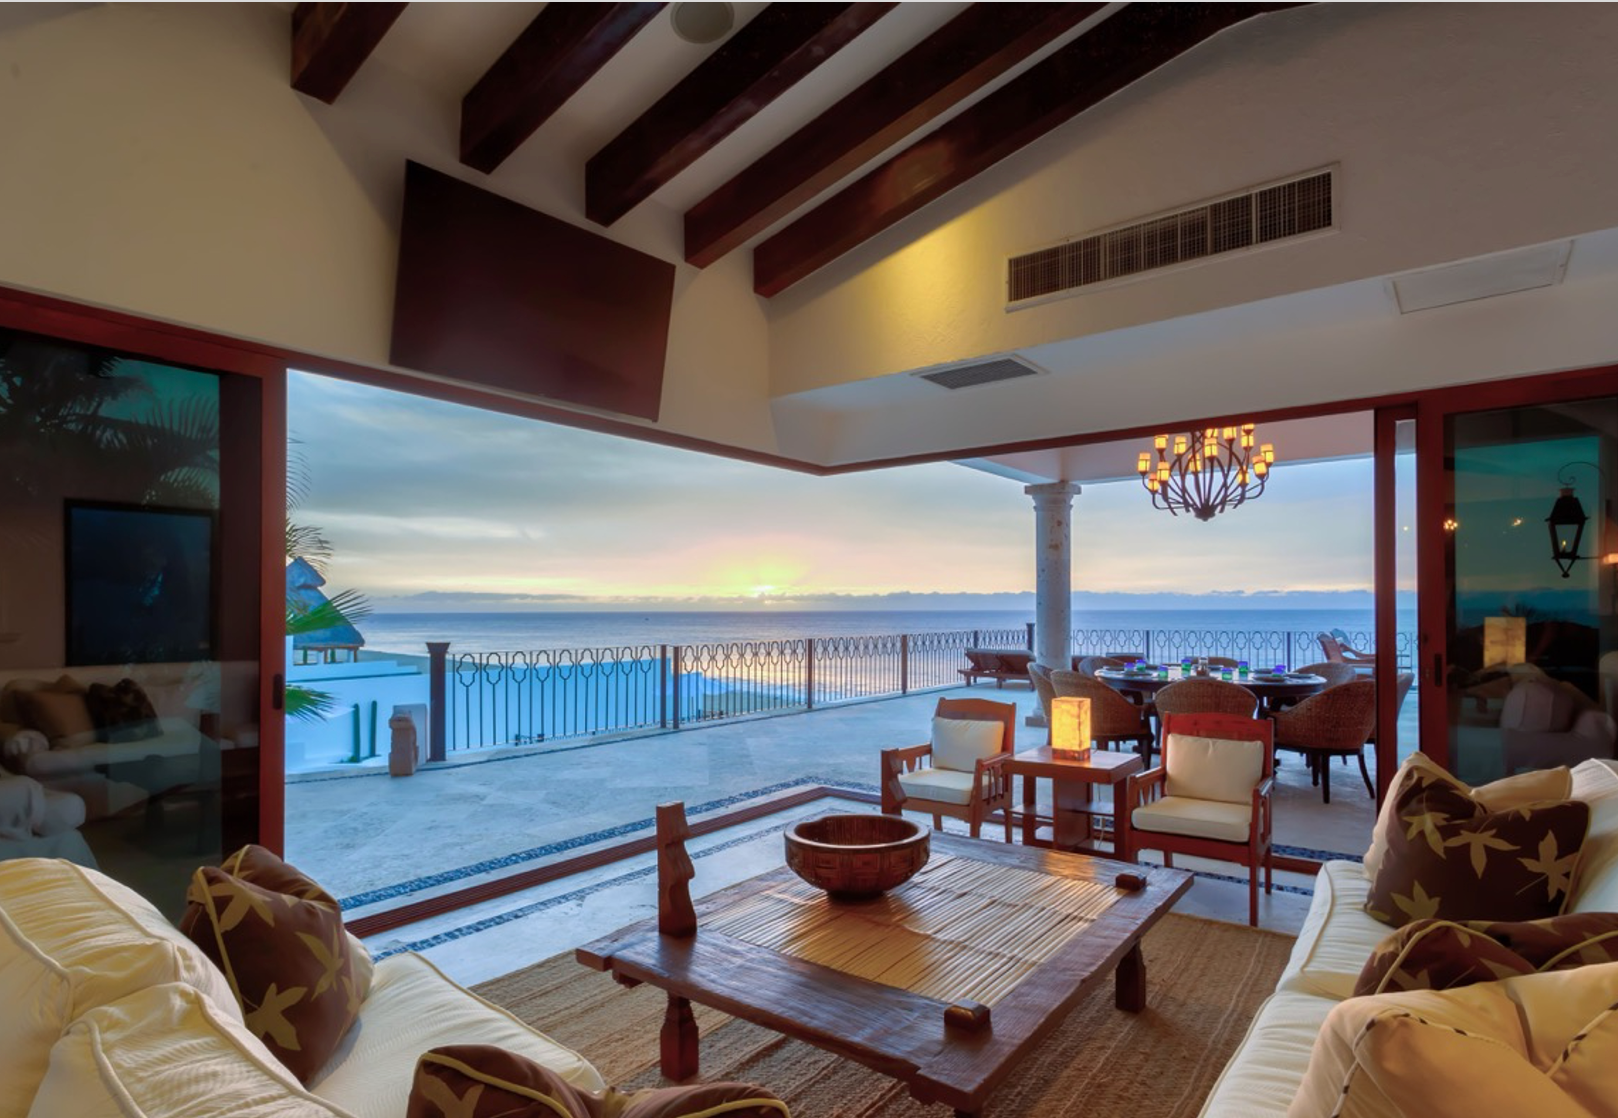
<point x="1072" y="779"/>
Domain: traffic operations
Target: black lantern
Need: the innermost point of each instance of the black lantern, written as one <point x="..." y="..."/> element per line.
<point x="1566" y="521"/>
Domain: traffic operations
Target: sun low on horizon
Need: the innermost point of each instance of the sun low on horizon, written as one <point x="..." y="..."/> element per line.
<point x="425" y="501"/>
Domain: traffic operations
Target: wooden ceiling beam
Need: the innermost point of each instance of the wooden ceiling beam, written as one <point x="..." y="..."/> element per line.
<point x="547" y="64"/>
<point x="940" y="72"/>
<point x="1115" y="53"/>
<point x="772" y="53"/>
<point x="330" y="42"/>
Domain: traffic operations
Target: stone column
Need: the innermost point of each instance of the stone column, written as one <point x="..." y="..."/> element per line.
<point x="1053" y="568"/>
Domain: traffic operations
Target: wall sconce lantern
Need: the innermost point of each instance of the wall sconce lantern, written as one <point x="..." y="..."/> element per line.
<point x="1567" y="520"/>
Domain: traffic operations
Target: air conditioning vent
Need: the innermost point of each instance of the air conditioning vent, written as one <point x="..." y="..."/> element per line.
<point x="1259" y="216"/>
<point x="981" y="372"/>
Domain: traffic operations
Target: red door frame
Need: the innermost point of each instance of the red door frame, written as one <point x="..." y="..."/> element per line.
<point x="1435" y="504"/>
<point x="1386" y="597"/>
<point x="196" y="349"/>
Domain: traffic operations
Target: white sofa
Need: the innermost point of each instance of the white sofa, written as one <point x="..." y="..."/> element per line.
<point x="1261" y="1079"/>
<point x="126" y="1016"/>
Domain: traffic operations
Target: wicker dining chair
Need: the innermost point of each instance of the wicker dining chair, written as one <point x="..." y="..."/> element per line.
<point x="1040" y="676"/>
<point x="1334" y="672"/>
<point x="1220" y="661"/>
<point x="1113" y="718"/>
<point x="1088" y="665"/>
<point x="1205" y="696"/>
<point x="1333" y="723"/>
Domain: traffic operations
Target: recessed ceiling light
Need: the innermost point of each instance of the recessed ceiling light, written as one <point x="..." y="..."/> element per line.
<point x="702" y="23"/>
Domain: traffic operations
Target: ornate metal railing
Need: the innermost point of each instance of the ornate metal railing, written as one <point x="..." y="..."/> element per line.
<point x="481" y="699"/>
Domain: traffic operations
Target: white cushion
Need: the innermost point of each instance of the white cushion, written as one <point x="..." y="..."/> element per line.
<point x="63" y="812"/>
<point x="414" y="1007"/>
<point x="1337" y="936"/>
<point x="1595" y="888"/>
<point x="960" y="743"/>
<point x="1261" y="1078"/>
<point x="1211" y="769"/>
<point x="1539" y="706"/>
<point x="167" y="1050"/>
<point x="946" y="786"/>
<point x="72" y="939"/>
<point x="1209" y="819"/>
<point x="1532" y="1044"/>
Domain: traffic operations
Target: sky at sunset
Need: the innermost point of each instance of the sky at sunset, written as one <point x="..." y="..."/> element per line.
<point x="433" y="505"/>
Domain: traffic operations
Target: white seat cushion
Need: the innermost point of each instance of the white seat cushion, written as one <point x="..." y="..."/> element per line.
<point x="1211" y="769"/>
<point x="1337" y="936"/>
<point x="167" y="1050"/>
<point x="1263" y="1075"/>
<point x="1595" y="888"/>
<point x="1209" y="819"/>
<point x="72" y="939"/>
<point x="414" y="1007"/>
<point x="960" y="743"/>
<point x="943" y="785"/>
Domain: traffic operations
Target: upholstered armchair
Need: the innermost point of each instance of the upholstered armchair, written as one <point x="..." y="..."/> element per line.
<point x="1113" y="718"/>
<point x="1334" y="723"/>
<point x="961" y="772"/>
<point x="1212" y="796"/>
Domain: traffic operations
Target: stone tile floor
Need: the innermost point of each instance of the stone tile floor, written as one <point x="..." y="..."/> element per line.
<point x="377" y="841"/>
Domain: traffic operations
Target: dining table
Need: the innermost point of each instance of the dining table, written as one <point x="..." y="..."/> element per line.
<point x="1269" y="687"/>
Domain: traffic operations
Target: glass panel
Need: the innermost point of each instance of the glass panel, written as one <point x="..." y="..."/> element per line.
<point x="1531" y="640"/>
<point x="129" y="543"/>
<point x="1407" y="727"/>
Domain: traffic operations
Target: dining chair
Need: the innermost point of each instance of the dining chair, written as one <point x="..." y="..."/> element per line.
<point x="1212" y="796"/>
<point x="1221" y="661"/>
<point x="1335" y="722"/>
<point x="1089" y="664"/>
<point x="1334" y="672"/>
<point x="1040" y="676"/>
<point x="1113" y="718"/>
<point x="1205" y="696"/>
<point x="961" y="771"/>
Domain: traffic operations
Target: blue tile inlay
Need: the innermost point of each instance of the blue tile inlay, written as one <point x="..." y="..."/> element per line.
<point x="506" y="861"/>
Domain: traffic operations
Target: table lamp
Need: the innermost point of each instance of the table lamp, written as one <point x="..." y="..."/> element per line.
<point x="1070" y="726"/>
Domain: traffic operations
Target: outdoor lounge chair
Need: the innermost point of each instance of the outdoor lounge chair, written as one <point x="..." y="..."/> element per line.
<point x="1210" y="798"/>
<point x="961" y="771"/>
<point x="1334" y="648"/>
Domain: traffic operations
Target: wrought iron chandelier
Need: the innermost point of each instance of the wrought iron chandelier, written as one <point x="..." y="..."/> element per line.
<point x="1210" y="470"/>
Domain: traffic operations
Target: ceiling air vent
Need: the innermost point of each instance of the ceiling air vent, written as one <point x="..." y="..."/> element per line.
<point x="1263" y="215"/>
<point x="981" y="372"/>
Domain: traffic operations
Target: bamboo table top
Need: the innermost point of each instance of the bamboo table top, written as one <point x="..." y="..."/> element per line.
<point x="1025" y="933"/>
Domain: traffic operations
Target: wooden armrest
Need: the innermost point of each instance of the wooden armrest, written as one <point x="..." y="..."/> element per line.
<point x="908" y="753"/>
<point x="995" y="762"/>
<point x="1138" y="788"/>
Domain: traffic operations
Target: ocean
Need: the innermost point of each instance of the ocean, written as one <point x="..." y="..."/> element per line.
<point x="407" y="633"/>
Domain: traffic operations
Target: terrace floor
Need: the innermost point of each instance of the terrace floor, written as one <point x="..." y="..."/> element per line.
<point x="378" y="841"/>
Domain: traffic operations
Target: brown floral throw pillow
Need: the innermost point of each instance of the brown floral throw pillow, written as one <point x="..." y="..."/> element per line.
<point x="482" y="1081"/>
<point x="1443" y="954"/>
<point x="1450" y="859"/>
<point x="121" y="712"/>
<point x="279" y="939"/>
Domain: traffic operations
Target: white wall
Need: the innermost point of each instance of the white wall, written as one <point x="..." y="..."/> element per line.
<point x="1460" y="129"/>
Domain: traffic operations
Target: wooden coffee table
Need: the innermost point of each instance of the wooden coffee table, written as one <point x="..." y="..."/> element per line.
<point x="944" y="983"/>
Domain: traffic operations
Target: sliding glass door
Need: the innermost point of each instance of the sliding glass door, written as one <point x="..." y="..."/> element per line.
<point x="1520" y="593"/>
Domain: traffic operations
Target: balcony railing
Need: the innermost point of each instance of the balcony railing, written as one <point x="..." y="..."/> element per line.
<point x="482" y="699"/>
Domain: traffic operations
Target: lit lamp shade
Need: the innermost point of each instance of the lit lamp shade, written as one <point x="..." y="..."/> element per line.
<point x="1070" y="726"/>
<point x="1505" y="641"/>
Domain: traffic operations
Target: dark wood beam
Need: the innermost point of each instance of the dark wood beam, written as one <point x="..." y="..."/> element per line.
<point x="776" y="49"/>
<point x="331" y="41"/>
<point x="1117" y="52"/>
<point x="937" y="74"/>
<point x="554" y="56"/>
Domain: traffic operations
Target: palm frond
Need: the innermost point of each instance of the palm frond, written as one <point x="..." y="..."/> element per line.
<point x="308" y="704"/>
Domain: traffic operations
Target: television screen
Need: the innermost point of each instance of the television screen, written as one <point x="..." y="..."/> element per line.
<point x="139" y="584"/>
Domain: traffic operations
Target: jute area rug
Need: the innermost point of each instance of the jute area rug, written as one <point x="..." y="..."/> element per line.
<point x="1205" y="982"/>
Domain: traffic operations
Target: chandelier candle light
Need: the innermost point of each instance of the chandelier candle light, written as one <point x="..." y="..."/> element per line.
<point x="1210" y="470"/>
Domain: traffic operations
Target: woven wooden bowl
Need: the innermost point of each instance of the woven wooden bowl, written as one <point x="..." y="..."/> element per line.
<point x="855" y="857"/>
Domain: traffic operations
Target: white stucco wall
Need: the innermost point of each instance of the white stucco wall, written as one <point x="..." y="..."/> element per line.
<point x="1459" y="130"/>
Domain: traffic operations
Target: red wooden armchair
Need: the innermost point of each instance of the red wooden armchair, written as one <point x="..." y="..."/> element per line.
<point x="1212" y="797"/>
<point x="961" y="772"/>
